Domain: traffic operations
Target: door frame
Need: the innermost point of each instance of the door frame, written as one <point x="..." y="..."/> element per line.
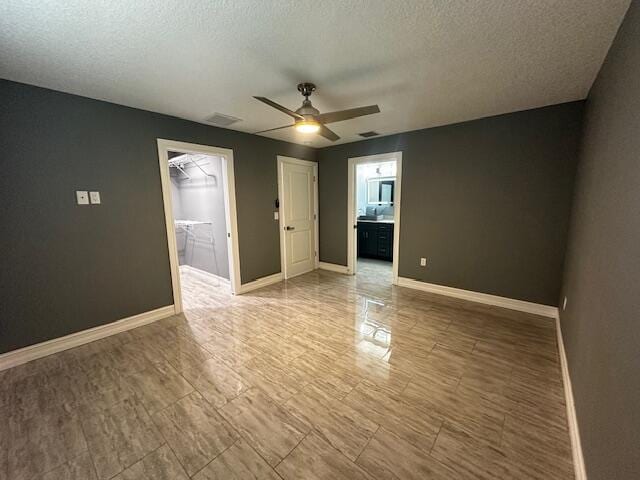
<point x="352" y="248"/>
<point x="281" y="159"/>
<point x="231" y="215"/>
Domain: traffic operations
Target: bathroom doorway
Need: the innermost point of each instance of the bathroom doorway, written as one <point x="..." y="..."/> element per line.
<point x="374" y="216"/>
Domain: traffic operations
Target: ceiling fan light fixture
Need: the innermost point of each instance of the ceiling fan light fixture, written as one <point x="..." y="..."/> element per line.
<point x="307" y="126"/>
<point x="307" y="119"/>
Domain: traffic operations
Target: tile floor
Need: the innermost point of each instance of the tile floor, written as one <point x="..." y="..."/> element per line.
<point x="324" y="376"/>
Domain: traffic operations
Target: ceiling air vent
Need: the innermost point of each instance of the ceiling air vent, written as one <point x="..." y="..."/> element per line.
<point x="220" y="120"/>
<point x="369" y="134"/>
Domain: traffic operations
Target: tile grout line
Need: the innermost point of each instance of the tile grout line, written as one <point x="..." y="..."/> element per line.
<point x="155" y="425"/>
<point x="296" y="446"/>
<point x="227" y="422"/>
<point x="435" y="439"/>
<point x="367" y="444"/>
<point x="213" y="459"/>
<point x="84" y="434"/>
<point x="249" y="443"/>
<point x="143" y="457"/>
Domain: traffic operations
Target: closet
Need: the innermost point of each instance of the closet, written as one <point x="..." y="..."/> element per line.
<point x="197" y="193"/>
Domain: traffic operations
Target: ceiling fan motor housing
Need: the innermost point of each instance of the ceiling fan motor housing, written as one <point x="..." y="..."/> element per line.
<point x="307" y="110"/>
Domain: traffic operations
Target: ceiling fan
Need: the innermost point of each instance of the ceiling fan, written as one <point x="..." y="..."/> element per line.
<point x="308" y="119"/>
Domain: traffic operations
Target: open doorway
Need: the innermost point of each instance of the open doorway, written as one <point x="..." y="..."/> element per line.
<point x="199" y="195"/>
<point x="374" y="216"/>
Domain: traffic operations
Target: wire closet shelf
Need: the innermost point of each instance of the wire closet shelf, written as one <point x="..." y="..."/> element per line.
<point x="186" y="159"/>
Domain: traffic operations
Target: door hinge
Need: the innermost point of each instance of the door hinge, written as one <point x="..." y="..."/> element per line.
<point x="314" y="178"/>
<point x="229" y="235"/>
<point x="314" y="216"/>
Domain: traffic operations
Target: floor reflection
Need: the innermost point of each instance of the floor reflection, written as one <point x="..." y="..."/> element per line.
<point x="347" y="375"/>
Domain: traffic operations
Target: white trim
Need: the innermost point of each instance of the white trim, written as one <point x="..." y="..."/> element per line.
<point x="316" y="200"/>
<point x="231" y="215"/>
<point x="231" y="218"/>
<point x="352" y="250"/>
<point x="574" y="432"/>
<point x="212" y="276"/>
<point x="163" y="159"/>
<point x="281" y="220"/>
<point x="261" y="282"/>
<point x="333" y="267"/>
<point x="39" y="350"/>
<point x="485" y="298"/>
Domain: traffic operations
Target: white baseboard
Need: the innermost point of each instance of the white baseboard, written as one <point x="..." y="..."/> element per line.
<point x="574" y="432"/>
<point x="333" y="267"/>
<point x="205" y="274"/>
<point x="487" y="299"/>
<point x="261" y="282"/>
<point x="39" y="350"/>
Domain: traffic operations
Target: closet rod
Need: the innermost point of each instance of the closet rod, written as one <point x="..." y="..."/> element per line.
<point x="180" y="161"/>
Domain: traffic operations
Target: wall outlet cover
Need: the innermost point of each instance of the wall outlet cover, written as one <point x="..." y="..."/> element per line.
<point x="94" y="197"/>
<point x="423" y="262"/>
<point x="82" y="197"/>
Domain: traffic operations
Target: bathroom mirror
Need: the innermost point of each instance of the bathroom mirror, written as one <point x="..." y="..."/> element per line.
<point x="380" y="190"/>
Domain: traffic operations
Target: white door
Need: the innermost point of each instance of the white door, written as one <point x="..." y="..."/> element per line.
<point x="298" y="208"/>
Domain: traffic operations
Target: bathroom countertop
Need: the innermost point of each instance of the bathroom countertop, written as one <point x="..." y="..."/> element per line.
<point x="376" y="221"/>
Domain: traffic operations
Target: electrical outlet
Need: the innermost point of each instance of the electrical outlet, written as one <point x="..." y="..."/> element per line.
<point x="276" y="215"/>
<point x="564" y="304"/>
<point x="94" y="197"/>
<point x="82" y="197"/>
<point x="423" y="262"/>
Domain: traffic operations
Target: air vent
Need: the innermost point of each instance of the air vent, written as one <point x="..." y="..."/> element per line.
<point x="368" y="134"/>
<point x="220" y="120"/>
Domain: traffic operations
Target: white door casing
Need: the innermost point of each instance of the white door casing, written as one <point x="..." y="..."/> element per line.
<point x="231" y="216"/>
<point x="298" y="217"/>
<point x="352" y="242"/>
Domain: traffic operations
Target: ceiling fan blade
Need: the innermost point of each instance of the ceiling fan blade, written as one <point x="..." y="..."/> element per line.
<point x="272" y="129"/>
<point x="280" y="107"/>
<point x="340" y="115"/>
<point x="328" y="134"/>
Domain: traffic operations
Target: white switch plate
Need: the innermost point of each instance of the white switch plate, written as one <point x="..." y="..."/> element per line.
<point x="276" y="215"/>
<point x="423" y="262"/>
<point x="564" y="304"/>
<point x="94" y="197"/>
<point x="82" y="197"/>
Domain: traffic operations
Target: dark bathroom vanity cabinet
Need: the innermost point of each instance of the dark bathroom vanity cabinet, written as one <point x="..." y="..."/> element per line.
<point x="375" y="240"/>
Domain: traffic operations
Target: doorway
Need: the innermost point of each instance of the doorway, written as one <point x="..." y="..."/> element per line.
<point x="298" y="216"/>
<point x="198" y="189"/>
<point x="373" y="216"/>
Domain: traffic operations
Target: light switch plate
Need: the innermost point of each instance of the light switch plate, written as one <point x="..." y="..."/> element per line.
<point x="82" y="197"/>
<point x="276" y="215"/>
<point x="94" y="197"/>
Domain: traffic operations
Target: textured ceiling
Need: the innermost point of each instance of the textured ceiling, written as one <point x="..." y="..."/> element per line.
<point x="426" y="63"/>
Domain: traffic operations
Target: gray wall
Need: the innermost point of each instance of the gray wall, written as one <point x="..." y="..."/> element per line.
<point x="67" y="268"/>
<point x="601" y="325"/>
<point x="200" y="197"/>
<point x="487" y="202"/>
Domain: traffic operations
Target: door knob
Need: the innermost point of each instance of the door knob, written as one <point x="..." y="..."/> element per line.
<point x="289" y="228"/>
